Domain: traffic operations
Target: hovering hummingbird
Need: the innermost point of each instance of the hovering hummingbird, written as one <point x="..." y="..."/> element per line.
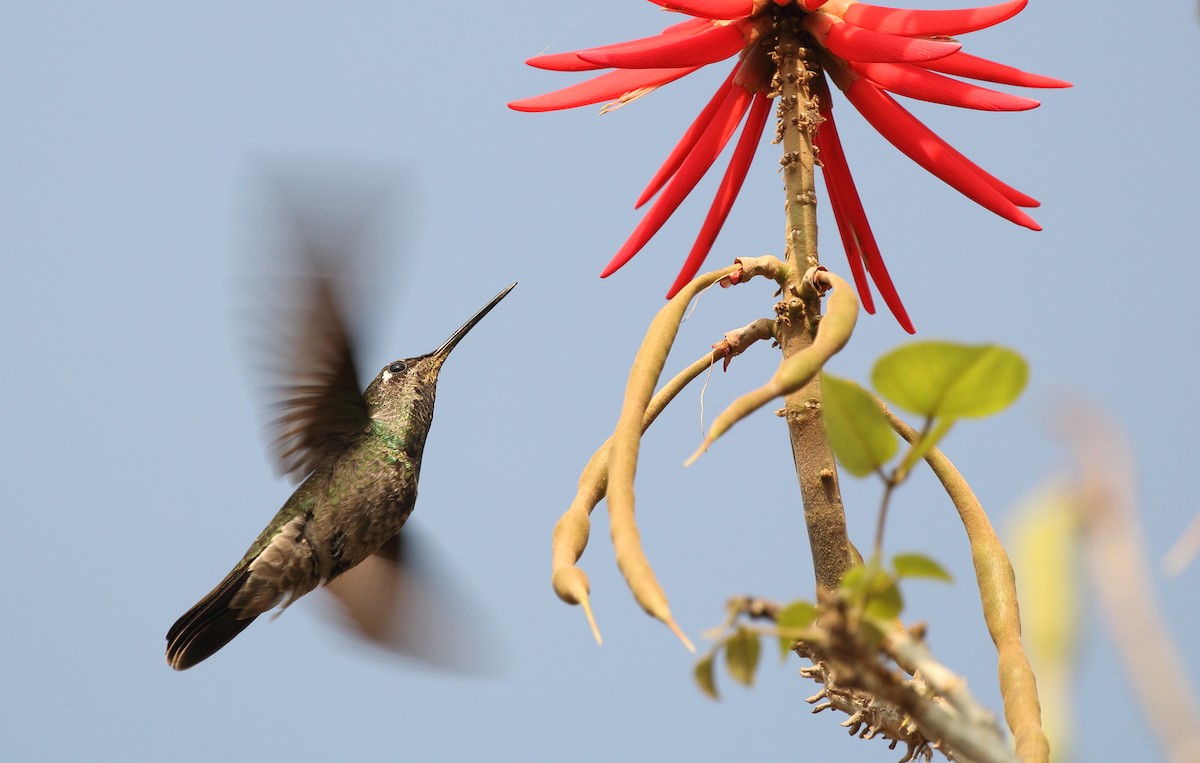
<point x="359" y="455"/>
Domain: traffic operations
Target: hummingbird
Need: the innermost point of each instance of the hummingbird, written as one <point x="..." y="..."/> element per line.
<point x="358" y="454"/>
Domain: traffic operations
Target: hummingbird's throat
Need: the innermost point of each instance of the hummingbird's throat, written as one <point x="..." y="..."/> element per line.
<point x="394" y="443"/>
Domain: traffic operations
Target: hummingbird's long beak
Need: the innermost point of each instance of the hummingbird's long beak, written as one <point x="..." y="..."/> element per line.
<point x="443" y="351"/>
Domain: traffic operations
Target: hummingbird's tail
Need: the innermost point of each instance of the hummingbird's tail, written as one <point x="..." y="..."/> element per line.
<point x="209" y="625"/>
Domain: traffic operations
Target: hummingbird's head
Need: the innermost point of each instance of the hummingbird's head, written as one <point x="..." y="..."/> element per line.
<point x="412" y="374"/>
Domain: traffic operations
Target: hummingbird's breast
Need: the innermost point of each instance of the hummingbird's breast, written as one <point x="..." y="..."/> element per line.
<point x="343" y="513"/>
<point x="361" y="503"/>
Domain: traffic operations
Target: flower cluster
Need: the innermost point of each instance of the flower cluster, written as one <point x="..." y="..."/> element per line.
<point x="868" y="51"/>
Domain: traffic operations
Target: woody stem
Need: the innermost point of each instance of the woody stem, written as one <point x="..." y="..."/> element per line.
<point x="800" y="312"/>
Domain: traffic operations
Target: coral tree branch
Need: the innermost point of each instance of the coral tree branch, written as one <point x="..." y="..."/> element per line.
<point x="797" y="371"/>
<point x="910" y="697"/>
<point x="800" y="313"/>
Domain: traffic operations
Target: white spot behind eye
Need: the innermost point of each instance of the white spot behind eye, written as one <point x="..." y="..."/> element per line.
<point x="386" y="375"/>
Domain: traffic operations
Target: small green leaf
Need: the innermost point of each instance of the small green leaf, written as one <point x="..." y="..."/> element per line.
<point x="859" y="432"/>
<point x="859" y="581"/>
<point x="874" y="590"/>
<point x="919" y="566"/>
<point x="741" y="656"/>
<point x="951" y="380"/>
<point x="798" y="614"/>
<point x="885" y="604"/>
<point x="703" y="673"/>
<point x="854" y="584"/>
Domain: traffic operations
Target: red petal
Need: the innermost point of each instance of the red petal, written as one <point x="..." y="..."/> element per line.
<point x="857" y="44"/>
<point x="603" y="88"/>
<point x="691" y="25"/>
<point x="709" y="46"/>
<point x="686" y="143"/>
<point x="919" y="143"/>
<point x="808" y="5"/>
<point x="854" y="255"/>
<point x="840" y="183"/>
<point x="571" y="61"/>
<point x="974" y="67"/>
<point x="697" y="163"/>
<point x="833" y="187"/>
<point x="916" y="82"/>
<point x="731" y="183"/>
<point x="913" y="23"/>
<point x="710" y="9"/>
<point x="562" y="62"/>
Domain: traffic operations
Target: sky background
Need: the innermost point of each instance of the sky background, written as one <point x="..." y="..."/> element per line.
<point x="132" y="154"/>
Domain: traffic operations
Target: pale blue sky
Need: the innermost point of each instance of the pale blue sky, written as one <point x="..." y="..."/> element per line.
<point x="131" y="142"/>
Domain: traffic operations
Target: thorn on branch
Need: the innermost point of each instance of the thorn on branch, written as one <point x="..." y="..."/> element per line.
<point x="861" y="677"/>
<point x="808" y="198"/>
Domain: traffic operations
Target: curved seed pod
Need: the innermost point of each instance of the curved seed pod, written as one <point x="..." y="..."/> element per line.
<point x="841" y="313"/>
<point x="998" y="594"/>
<point x="574" y="526"/>
<point x="623" y="451"/>
<point x="570" y="539"/>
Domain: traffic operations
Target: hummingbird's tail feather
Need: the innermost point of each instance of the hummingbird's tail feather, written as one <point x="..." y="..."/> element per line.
<point x="209" y="625"/>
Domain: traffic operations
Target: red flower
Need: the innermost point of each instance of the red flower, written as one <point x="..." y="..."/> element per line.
<point x="866" y="50"/>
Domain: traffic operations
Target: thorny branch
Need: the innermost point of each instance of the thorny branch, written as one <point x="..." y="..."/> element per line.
<point x="799" y="314"/>
<point x="890" y="687"/>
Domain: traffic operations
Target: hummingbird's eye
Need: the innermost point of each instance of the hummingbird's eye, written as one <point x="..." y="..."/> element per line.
<point x="398" y="367"/>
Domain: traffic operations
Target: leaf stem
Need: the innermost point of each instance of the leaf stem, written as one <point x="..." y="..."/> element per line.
<point x="889" y="484"/>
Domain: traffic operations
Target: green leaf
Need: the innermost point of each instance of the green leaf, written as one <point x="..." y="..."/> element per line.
<point x="862" y="580"/>
<point x="703" y="673"/>
<point x="919" y="566"/>
<point x="885" y="604"/>
<point x="854" y="582"/>
<point x="741" y="656"/>
<point x="951" y="380"/>
<point x="874" y="590"/>
<point x="798" y="614"/>
<point x="859" y="432"/>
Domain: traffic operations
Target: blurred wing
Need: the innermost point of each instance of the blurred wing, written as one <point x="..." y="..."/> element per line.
<point x="317" y="241"/>
<point x="403" y="599"/>
<point x="318" y="409"/>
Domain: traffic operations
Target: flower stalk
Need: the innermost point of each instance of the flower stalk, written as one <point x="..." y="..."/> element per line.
<point x="800" y="312"/>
